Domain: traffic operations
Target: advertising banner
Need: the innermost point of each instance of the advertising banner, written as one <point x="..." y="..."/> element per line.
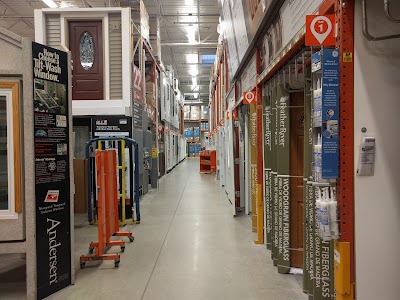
<point x="330" y="113"/>
<point x="274" y="176"/>
<point x="111" y="126"/>
<point x="52" y="169"/>
<point x="267" y="115"/>
<point x="253" y="164"/>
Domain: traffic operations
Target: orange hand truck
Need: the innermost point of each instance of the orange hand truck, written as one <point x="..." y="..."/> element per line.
<point x="107" y="205"/>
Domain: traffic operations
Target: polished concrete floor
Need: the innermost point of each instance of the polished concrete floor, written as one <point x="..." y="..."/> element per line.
<point x="188" y="246"/>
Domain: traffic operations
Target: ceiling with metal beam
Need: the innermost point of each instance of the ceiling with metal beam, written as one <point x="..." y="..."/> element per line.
<point x="188" y="34"/>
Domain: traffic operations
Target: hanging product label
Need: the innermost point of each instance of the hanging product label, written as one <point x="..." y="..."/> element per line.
<point x="52" y="169"/>
<point x="249" y="97"/>
<point x="330" y="113"/>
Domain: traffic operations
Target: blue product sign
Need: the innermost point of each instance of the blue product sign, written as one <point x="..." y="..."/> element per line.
<point x="330" y="113"/>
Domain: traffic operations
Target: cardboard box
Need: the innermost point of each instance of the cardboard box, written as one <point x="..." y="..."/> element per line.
<point x="81" y="186"/>
<point x="140" y="17"/>
<point x="195" y="113"/>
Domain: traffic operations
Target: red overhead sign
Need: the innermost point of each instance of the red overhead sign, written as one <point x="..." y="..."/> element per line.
<point x="249" y="97"/>
<point x="320" y="30"/>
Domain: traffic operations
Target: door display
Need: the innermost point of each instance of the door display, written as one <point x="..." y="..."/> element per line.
<point x="86" y="44"/>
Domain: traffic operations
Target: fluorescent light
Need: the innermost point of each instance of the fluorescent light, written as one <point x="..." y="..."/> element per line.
<point x="194" y="71"/>
<point x="50" y="3"/>
<point x="191" y="30"/>
<point x="193" y="102"/>
<point x="194" y="81"/>
<point x="192" y="58"/>
<point x="189" y="2"/>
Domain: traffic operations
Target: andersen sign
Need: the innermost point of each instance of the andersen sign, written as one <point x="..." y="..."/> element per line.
<point x="52" y="169"/>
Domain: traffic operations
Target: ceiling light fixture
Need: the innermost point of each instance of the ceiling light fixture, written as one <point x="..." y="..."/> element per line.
<point x="192" y="58"/>
<point x="191" y="34"/>
<point x="194" y="70"/>
<point x="50" y="3"/>
<point x="194" y="81"/>
<point x="189" y="2"/>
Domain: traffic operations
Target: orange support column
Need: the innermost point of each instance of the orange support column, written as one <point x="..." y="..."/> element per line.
<point x="344" y="248"/>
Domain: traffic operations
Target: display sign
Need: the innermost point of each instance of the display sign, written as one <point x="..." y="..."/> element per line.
<point x="137" y="94"/>
<point x="330" y="113"/>
<point x="52" y="169"/>
<point x="253" y="164"/>
<point x="320" y="30"/>
<point x="111" y="126"/>
<point x="249" y="97"/>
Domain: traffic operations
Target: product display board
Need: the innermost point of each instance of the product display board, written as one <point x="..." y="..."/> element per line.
<point x="111" y="126"/>
<point x="307" y="184"/>
<point x="52" y="169"/>
<point x="274" y="177"/>
<point x="253" y="164"/>
<point x="325" y="68"/>
<point x="267" y="114"/>
<point x="283" y="169"/>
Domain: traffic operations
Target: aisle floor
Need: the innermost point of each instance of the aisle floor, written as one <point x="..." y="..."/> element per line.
<point x="188" y="246"/>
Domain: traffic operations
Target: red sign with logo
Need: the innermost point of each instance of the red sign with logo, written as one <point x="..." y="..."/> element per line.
<point x="249" y="97"/>
<point x="320" y="30"/>
<point x="137" y="85"/>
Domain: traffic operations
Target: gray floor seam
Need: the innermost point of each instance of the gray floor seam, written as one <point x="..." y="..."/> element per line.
<point x="166" y="235"/>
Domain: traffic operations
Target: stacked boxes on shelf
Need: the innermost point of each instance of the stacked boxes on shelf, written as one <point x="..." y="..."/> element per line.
<point x="195" y="113"/>
<point x="204" y="112"/>
<point x="196" y="134"/>
<point x="204" y="126"/>
<point x="186" y="112"/>
<point x="140" y="16"/>
<point x="155" y="37"/>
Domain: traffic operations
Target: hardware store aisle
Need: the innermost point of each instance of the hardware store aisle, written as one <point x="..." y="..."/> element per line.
<point x="188" y="246"/>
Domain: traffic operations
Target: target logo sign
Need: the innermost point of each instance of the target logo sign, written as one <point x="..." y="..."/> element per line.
<point x="320" y="30"/>
<point x="249" y="97"/>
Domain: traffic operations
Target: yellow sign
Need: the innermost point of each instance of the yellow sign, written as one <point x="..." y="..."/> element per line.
<point x="154" y="152"/>
<point x="347" y="57"/>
